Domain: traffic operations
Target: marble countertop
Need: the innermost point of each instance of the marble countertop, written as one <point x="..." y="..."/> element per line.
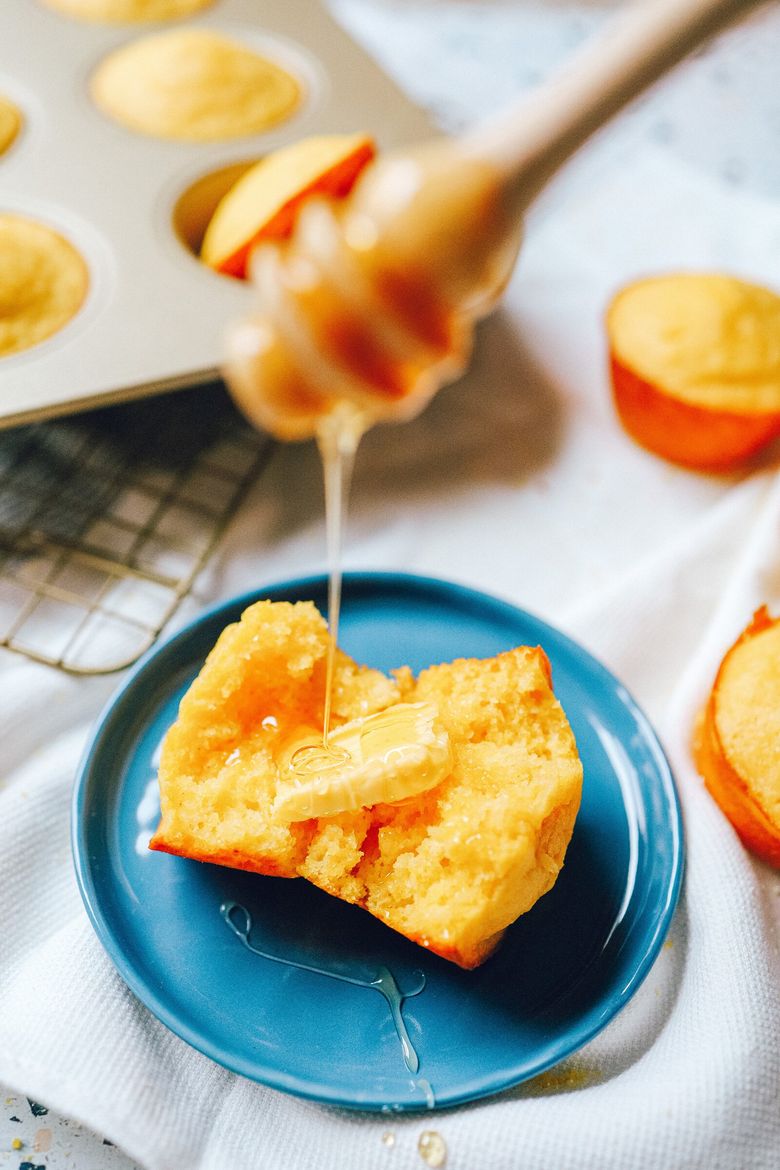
<point x="719" y="114"/>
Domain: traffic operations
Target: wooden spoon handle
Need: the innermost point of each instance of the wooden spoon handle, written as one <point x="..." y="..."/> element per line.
<point x="530" y="140"/>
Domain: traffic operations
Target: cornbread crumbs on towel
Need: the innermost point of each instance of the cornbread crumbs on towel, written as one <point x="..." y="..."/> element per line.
<point x="194" y="85"/>
<point x="450" y="868"/>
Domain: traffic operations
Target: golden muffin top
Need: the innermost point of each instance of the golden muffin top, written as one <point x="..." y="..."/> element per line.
<point x="43" y="282"/>
<point x="710" y="339"/>
<point x="194" y="85"/>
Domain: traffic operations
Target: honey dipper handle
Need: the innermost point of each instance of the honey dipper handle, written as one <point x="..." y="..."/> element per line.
<point x="533" y="138"/>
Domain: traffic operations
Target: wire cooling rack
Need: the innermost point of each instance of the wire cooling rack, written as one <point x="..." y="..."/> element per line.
<point x="107" y="517"/>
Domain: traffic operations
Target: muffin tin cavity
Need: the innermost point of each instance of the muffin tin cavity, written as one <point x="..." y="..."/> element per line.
<point x="195" y="85"/>
<point x="127" y="11"/>
<point x="194" y="208"/>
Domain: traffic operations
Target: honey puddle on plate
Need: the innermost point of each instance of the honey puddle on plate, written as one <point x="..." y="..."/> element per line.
<point x="239" y="920"/>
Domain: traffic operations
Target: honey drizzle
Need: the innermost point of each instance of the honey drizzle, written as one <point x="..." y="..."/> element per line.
<point x="384" y="983"/>
<point x="338" y="436"/>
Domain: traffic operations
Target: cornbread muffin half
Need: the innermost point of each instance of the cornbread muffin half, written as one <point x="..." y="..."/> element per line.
<point x="194" y="85"/>
<point x="451" y="867"/>
<point x="737" y="743"/>
<point x="43" y="282"/>
<point x="264" y="203"/>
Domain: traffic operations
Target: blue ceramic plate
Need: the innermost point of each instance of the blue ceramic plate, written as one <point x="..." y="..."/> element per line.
<point x="303" y="1015"/>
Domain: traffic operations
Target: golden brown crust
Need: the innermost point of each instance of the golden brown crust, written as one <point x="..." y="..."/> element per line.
<point x="705" y="440"/>
<point x="732" y="791"/>
<point x="228" y="857"/>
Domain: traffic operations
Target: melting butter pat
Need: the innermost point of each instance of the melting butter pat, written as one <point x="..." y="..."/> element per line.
<point x="379" y="759"/>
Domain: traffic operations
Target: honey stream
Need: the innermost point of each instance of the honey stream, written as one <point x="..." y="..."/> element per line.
<point x="338" y="436"/>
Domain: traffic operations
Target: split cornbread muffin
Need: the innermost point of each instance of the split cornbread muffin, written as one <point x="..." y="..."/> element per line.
<point x="450" y="867"/>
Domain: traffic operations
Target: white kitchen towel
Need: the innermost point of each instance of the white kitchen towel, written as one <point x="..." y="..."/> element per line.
<point x="687" y="1076"/>
<point x="518" y="480"/>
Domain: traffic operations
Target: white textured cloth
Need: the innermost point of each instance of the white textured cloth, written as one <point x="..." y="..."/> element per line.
<point x="519" y="481"/>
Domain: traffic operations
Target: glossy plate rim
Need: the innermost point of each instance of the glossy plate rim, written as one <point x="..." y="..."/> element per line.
<point x="592" y="1023"/>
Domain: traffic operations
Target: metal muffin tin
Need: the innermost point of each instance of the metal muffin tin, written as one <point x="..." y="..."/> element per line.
<point x="154" y="316"/>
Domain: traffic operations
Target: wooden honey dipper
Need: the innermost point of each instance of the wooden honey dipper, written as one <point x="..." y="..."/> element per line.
<point x="371" y="306"/>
